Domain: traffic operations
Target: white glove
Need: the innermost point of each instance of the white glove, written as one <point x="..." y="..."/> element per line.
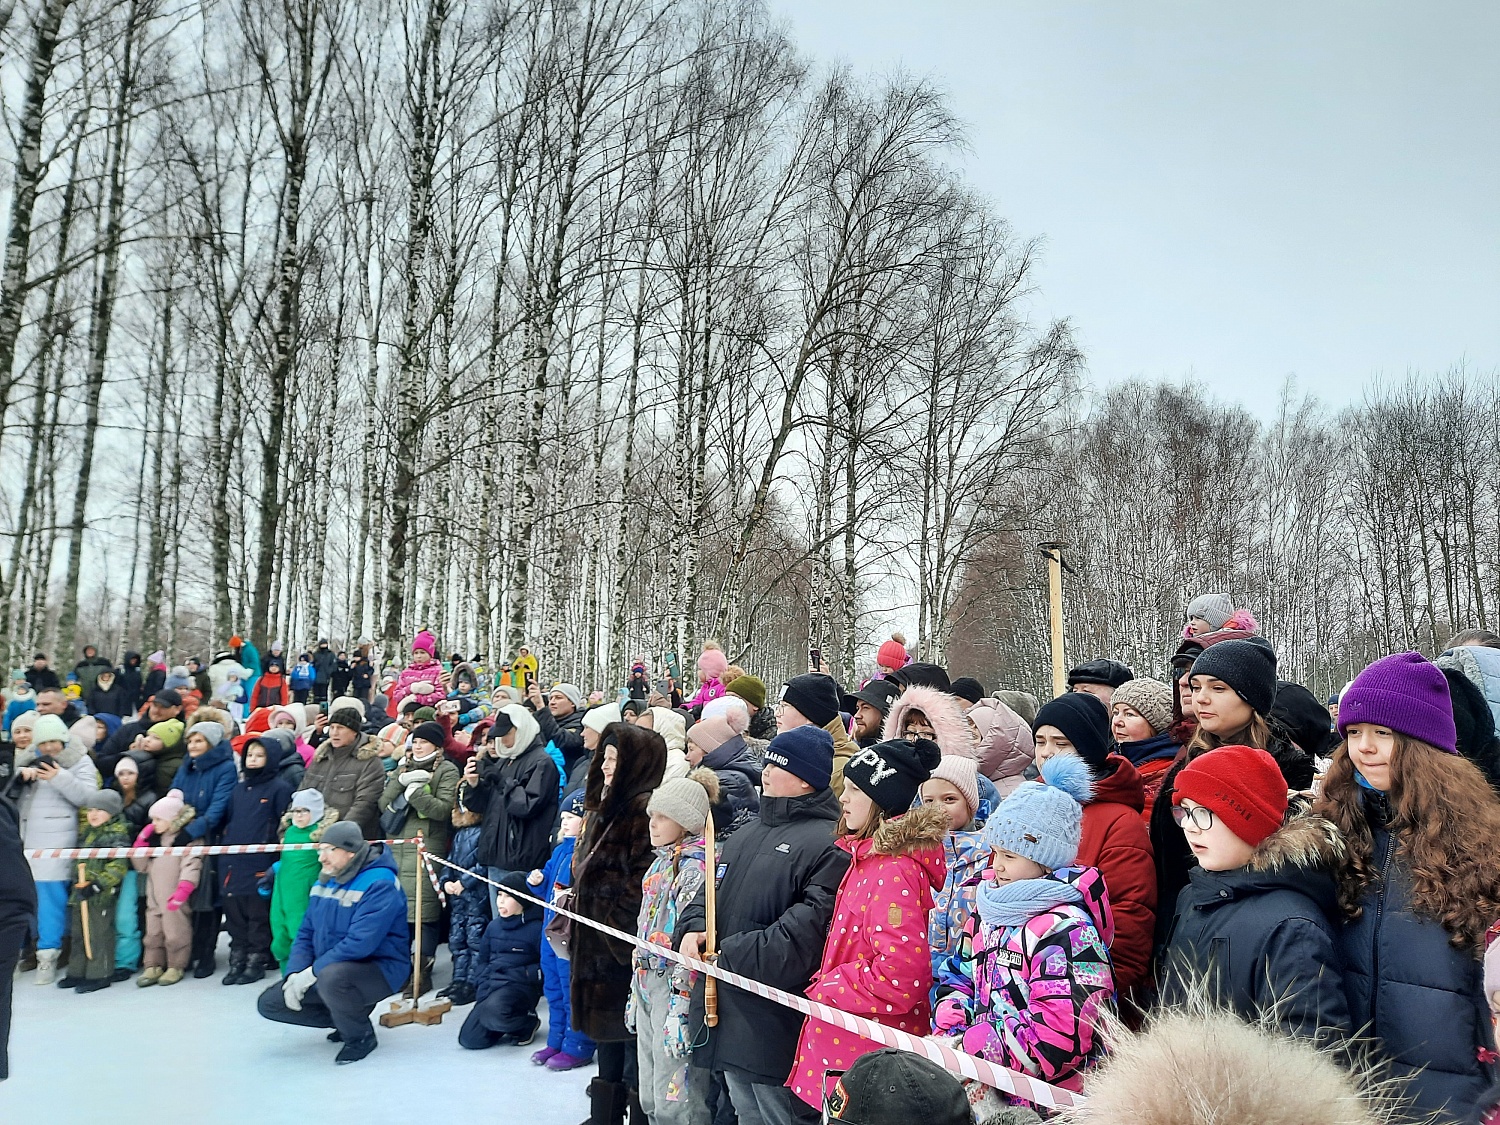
<point x="414" y="777"/>
<point x="295" y="987"/>
<point x="413" y="789"/>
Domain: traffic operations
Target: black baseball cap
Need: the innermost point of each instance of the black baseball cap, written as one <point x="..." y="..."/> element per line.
<point x="879" y="694"/>
<point x="891" y="1087"/>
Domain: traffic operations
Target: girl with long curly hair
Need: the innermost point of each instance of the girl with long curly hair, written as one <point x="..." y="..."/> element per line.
<point x="1419" y="883"/>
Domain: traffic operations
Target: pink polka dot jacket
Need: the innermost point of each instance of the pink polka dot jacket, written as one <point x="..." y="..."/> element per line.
<point x="877" y="962"/>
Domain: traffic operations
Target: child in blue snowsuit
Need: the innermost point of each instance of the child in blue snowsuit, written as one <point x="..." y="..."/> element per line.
<point x="470" y="906"/>
<point x="566" y="1048"/>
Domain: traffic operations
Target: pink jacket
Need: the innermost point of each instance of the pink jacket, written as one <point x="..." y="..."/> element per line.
<point x="431" y="673"/>
<point x="708" y="691"/>
<point x="877" y="962"/>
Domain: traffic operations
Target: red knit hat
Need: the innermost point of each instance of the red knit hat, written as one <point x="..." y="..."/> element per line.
<point x="892" y="654"/>
<point x="1241" y="786"/>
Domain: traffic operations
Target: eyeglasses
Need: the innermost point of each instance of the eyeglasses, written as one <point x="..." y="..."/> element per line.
<point x="912" y="735"/>
<point x="1202" y="818"/>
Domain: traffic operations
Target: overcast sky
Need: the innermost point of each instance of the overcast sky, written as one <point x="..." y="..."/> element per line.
<point x="1236" y="191"/>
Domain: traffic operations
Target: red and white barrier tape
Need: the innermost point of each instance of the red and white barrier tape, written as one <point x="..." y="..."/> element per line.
<point x="180" y="849"/>
<point x="956" y="1062"/>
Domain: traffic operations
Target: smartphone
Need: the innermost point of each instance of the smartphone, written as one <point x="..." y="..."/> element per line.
<point x="815" y="658"/>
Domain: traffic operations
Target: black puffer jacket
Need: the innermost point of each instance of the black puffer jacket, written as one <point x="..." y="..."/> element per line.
<point x="1422" y="999"/>
<point x="518" y="797"/>
<point x="130" y="680"/>
<point x="781" y="874"/>
<point x="738" y="777"/>
<point x="1169" y="846"/>
<point x="1264" y="937"/>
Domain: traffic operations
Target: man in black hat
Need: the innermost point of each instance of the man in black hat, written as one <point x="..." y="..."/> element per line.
<point x="870" y="705"/>
<point x="1100" y="678"/>
<point x="165" y="704"/>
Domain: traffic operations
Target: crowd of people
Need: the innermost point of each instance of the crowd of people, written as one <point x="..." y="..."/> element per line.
<point x="1007" y="876"/>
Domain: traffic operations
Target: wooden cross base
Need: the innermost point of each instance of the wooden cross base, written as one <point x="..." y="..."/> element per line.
<point x="406" y="1011"/>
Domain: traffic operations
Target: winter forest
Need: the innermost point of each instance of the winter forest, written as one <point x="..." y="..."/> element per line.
<point x="611" y="326"/>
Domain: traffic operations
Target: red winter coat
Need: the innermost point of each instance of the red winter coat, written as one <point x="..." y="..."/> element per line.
<point x="1153" y="773"/>
<point x="877" y="962"/>
<point x="1115" y="840"/>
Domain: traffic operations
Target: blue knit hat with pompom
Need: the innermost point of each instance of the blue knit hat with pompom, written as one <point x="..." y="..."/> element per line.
<point x="1043" y="821"/>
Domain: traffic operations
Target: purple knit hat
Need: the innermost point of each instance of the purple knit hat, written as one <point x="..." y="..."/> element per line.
<point x="1408" y="694"/>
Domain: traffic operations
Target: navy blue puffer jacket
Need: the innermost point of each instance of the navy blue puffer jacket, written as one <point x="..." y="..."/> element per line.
<point x="1422" y="999"/>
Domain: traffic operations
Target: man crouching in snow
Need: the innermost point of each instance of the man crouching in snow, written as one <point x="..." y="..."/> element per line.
<point x="351" y="951"/>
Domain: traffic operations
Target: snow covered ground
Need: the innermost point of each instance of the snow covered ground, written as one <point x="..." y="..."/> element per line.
<point x="197" y="1052"/>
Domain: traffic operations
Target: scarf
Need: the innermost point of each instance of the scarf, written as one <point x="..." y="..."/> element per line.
<point x="1014" y="904"/>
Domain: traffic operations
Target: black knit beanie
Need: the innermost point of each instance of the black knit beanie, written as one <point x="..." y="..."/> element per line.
<point x="922" y="675"/>
<point x="891" y="773"/>
<point x="815" y="695"/>
<point x="1248" y="666"/>
<point x="968" y="689"/>
<point x="1084" y="721"/>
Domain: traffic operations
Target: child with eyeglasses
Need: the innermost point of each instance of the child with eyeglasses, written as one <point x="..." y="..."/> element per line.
<point x="1258" y="920"/>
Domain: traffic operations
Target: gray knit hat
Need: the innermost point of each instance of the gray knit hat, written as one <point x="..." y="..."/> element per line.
<point x="1043" y="821"/>
<point x="1216" y="609"/>
<point x="213" y="732"/>
<point x="344" y="834"/>
<point x="1151" y="699"/>
<point x="687" y="799"/>
<point x="107" y="799"/>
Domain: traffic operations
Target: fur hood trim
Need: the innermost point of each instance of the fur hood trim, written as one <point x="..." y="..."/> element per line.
<point x="925" y="826"/>
<point x="1307" y="843"/>
<point x="329" y="816"/>
<point x="179" y="822"/>
<point x="950" y="728"/>
<point x="1201" y="1065"/>
<point x="364" y="748"/>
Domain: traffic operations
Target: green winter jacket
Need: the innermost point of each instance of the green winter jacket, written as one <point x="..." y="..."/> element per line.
<point x="108" y="873"/>
<point x="429" y="811"/>
<point x="296" y="872"/>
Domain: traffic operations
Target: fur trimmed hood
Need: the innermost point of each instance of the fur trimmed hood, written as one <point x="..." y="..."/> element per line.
<point x="943" y="711"/>
<point x="1201" y="1065"/>
<point x="178" y="822"/>
<point x="1304" y="843"/>
<point x="328" y="817"/>
<point x="925" y="826"/>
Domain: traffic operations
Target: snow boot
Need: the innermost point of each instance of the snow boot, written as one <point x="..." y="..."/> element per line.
<point x="171" y="976"/>
<point x="564" y="1061"/>
<point x="120" y="976"/>
<point x="607" y="1102"/>
<point x="93" y="985"/>
<point x="206" y="968"/>
<point x="236" y="973"/>
<point x="46" y="966"/>
<point x="541" y="1057"/>
<point x="424" y="982"/>
<point x="70" y="981"/>
<point x="353" y="1051"/>
<point x="150" y="975"/>
<point x="254" y="969"/>
<point x="637" y="1111"/>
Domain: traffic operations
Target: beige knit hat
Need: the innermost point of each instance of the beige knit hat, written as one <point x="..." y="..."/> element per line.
<point x="1151" y="699"/>
<point x="687" y="799"/>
